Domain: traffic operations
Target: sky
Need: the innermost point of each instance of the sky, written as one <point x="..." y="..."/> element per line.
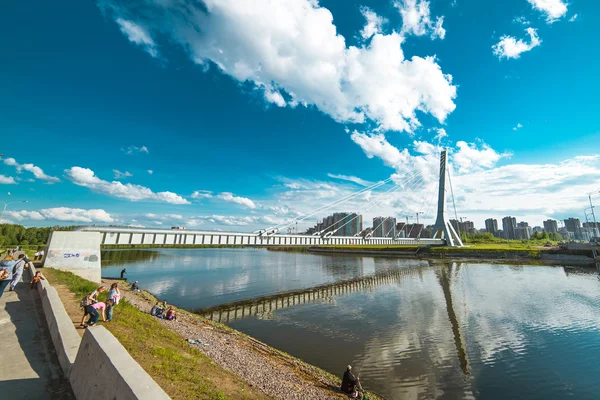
<point x="240" y="115"/>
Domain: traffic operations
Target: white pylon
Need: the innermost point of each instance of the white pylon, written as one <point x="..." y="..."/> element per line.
<point x="443" y="229"/>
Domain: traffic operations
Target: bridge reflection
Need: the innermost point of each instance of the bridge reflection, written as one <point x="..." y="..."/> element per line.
<point x="263" y="307"/>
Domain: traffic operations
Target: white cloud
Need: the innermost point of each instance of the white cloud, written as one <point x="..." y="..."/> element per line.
<point x="475" y="156"/>
<point x="519" y="126"/>
<point x="35" y="170"/>
<point x="510" y="47"/>
<point x="441" y="134"/>
<point x="85" y="177"/>
<point x="354" y="179"/>
<point x="521" y="20"/>
<point x="138" y="35"/>
<point x="135" y="149"/>
<point x="374" y="23"/>
<point x="202" y="194"/>
<point x="118" y="174"/>
<point x="150" y="172"/>
<point x="416" y="19"/>
<point x="291" y="49"/>
<point x="7" y="180"/>
<point x="62" y="214"/>
<point x="573" y="18"/>
<point x="554" y="9"/>
<point x="230" y="197"/>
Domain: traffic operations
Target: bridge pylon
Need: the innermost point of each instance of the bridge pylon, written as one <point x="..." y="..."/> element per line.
<point x="442" y="228"/>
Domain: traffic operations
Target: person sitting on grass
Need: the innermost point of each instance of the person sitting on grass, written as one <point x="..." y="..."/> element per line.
<point x="88" y="301"/>
<point x="135" y="287"/>
<point x="170" y="315"/>
<point x="94" y="314"/>
<point x="156" y="310"/>
<point x="38" y="277"/>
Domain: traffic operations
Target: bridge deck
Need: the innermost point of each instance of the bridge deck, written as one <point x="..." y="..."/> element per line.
<point x="138" y="236"/>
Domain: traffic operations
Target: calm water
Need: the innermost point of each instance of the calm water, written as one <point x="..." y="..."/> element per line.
<point x="413" y="330"/>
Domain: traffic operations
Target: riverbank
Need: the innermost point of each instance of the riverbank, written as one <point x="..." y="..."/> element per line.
<point x="225" y="365"/>
<point x="489" y="252"/>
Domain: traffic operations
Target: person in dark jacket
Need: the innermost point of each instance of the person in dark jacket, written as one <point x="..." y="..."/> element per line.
<point x="349" y="381"/>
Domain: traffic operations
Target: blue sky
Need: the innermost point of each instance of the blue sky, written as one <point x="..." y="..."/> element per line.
<point x="257" y="106"/>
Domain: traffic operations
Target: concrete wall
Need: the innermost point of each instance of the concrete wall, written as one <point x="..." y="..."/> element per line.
<point x="77" y="252"/>
<point x="64" y="336"/>
<point x="104" y="370"/>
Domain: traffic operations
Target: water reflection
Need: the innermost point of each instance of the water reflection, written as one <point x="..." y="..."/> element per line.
<point x="414" y="330"/>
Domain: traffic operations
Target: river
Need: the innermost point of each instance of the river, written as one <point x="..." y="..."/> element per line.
<point x="413" y="329"/>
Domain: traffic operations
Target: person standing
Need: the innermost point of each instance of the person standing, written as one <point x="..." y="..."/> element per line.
<point x="21" y="264"/>
<point x="6" y="268"/>
<point x="123" y="272"/>
<point x="114" y="295"/>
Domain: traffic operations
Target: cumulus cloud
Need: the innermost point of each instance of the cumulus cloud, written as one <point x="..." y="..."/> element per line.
<point x="135" y="149"/>
<point x="554" y="9"/>
<point x="62" y="214"/>
<point x="150" y="172"/>
<point x="230" y="197"/>
<point x="291" y="50"/>
<point x="86" y="177"/>
<point x="374" y="23"/>
<point x="416" y="19"/>
<point x="35" y="170"/>
<point x="471" y="157"/>
<point x="519" y="126"/>
<point x="202" y="194"/>
<point x="118" y="174"/>
<point x="573" y="18"/>
<point x="138" y="35"/>
<point x="510" y="47"/>
<point x="7" y="180"/>
<point x="354" y="179"/>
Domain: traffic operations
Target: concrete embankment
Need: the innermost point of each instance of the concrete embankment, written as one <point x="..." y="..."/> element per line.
<point x="480" y="255"/>
<point x="97" y="366"/>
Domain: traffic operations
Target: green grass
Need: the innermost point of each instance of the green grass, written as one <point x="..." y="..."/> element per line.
<point x="181" y="370"/>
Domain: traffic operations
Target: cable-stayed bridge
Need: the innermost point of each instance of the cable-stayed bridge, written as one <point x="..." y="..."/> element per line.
<point x="443" y="234"/>
<point x="80" y="250"/>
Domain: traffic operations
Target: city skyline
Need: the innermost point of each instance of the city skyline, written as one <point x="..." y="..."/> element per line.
<point x="130" y="123"/>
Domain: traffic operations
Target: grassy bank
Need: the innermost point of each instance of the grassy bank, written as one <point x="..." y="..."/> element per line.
<point x="181" y="370"/>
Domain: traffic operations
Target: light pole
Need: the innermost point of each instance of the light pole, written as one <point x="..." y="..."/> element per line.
<point x="6" y="205"/>
<point x="593" y="214"/>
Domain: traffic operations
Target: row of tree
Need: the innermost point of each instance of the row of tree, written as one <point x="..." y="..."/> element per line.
<point x="486" y="237"/>
<point x="12" y="234"/>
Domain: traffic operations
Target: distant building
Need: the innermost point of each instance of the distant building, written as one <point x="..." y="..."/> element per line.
<point x="572" y="224"/>
<point x="551" y="225"/>
<point x="179" y="228"/>
<point x="384" y="227"/>
<point x="538" y="229"/>
<point x="509" y="225"/>
<point x="491" y="226"/>
<point x="522" y="231"/>
<point x="343" y="224"/>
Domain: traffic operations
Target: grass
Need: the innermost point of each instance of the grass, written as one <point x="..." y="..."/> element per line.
<point x="181" y="370"/>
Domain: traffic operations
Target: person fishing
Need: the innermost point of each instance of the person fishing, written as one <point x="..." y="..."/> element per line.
<point x="123" y="272"/>
<point x="350" y="383"/>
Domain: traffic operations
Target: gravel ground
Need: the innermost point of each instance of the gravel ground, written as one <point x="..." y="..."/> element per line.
<point x="278" y="376"/>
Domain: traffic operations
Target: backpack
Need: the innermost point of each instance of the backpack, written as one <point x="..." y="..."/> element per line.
<point x="85" y="301"/>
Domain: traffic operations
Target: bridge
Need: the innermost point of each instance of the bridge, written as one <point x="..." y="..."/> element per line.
<point x="79" y="251"/>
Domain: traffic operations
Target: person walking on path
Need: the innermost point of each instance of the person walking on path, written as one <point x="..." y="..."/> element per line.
<point x="6" y="272"/>
<point x="123" y="272"/>
<point x="114" y="295"/>
<point x="21" y="264"/>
